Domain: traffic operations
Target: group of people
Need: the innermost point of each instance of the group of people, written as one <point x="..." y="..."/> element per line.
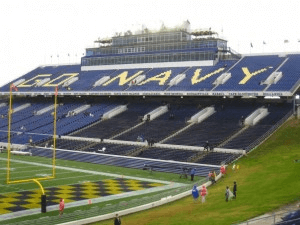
<point x="211" y="176"/>
<point x="203" y="193"/>
<point x="231" y="195"/>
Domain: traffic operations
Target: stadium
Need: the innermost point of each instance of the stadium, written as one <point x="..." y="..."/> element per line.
<point x="121" y="131"/>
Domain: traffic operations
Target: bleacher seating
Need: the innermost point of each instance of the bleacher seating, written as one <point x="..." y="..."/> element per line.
<point x="167" y="154"/>
<point x="242" y="141"/>
<point x="207" y="83"/>
<point x="154" y="85"/>
<point x="217" y="158"/>
<point x="292" y="218"/>
<point x="129" y="162"/>
<point x="166" y="124"/>
<point x="119" y="123"/>
<point x="263" y="66"/>
<point x="113" y="149"/>
<point x="216" y="128"/>
<point x="290" y="71"/>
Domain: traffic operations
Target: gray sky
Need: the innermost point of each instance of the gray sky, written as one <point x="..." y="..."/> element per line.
<point x="33" y="30"/>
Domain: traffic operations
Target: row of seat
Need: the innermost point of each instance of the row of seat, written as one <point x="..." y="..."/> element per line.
<point x="128" y="162"/>
<point x="201" y="78"/>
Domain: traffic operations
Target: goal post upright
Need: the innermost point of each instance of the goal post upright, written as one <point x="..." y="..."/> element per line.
<point x="54" y="132"/>
<point x="8" y="134"/>
<point x="37" y="179"/>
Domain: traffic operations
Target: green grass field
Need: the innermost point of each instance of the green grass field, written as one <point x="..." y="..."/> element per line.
<point x="25" y="170"/>
<point x="268" y="179"/>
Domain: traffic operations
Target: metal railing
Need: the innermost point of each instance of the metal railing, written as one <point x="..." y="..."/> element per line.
<point x="268" y="220"/>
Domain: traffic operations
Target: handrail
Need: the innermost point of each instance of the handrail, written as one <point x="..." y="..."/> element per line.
<point x="269" y="217"/>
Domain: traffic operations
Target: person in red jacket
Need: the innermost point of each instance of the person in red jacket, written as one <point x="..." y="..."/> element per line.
<point x="203" y="193"/>
<point x="223" y="170"/>
<point x="61" y="207"/>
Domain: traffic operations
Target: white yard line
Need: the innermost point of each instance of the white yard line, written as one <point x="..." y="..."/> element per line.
<point x="21" y="177"/>
<point x="47" y="181"/>
<point x="38" y="171"/>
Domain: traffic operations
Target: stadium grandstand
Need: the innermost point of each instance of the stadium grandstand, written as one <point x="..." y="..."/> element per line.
<point x="153" y="98"/>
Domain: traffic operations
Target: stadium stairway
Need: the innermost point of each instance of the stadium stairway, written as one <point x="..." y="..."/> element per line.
<point x="232" y="137"/>
<point x="197" y="157"/>
<point x="128" y="130"/>
<point x="176" y="133"/>
<point x="269" y="85"/>
<point x="228" y="71"/>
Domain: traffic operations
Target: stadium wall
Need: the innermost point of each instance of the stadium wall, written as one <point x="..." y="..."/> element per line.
<point x="150" y="65"/>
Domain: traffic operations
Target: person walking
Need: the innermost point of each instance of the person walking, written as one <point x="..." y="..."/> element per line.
<point x="228" y="194"/>
<point x="213" y="177"/>
<point x="61" y="207"/>
<point x="193" y="172"/>
<point x="117" y="220"/>
<point x="209" y="175"/>
<point x="234" y="189"/>
<point x="223" y="170"/>
<point x="195" y="193"/>
<point x="203" y="193"/>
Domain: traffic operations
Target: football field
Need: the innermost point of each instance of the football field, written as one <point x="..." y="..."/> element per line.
<point x="77" y="183"/>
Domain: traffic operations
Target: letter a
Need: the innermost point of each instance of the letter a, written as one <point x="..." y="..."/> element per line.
<point x="162" y="78"/>
<point x="122" y="78"/>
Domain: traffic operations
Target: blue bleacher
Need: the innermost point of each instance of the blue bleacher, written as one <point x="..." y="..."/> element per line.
<point x="216" y="128"/>
<point x="290" y="71"/>
<point x="253" y="63"/>
<point x="217" y="158"/>
<point x="164" y="124"/>
<point x="129" y="162"/>
<point x="276" y="113"/>
<point x="114" y="86"/>
<point x="86" y="79"/>
<point x="119" y="123"/>
<point x="167" y="154"/>
<point x="205" y="85"/>
<point x="154" y="85"/>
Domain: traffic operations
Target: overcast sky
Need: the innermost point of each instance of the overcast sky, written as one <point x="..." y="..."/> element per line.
<point x="34" y="30"/>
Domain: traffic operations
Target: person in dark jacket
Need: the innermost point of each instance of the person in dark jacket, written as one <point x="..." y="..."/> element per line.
<point x="207" y="146"/>
<point x="234" y="189"/>
<point x="117" y="220"/>
<point x="193" y="172"/>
